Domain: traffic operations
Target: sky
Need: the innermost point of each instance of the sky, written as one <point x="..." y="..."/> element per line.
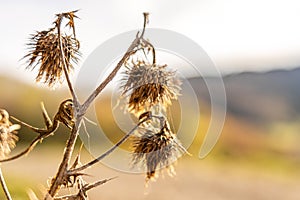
<point x="238" y="35"/>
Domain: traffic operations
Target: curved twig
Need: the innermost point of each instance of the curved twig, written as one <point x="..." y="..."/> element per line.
<point x="110" y="150"/>
<point x="153" y="51"/>
<point x="43" y="133"/>
<point x="38" y="130"/>
<point x="26" y="151"/>
<point x="136" y="42"/>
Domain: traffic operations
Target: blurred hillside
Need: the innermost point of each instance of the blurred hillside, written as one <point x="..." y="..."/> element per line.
<point x="263" y="118"/>
<point x="259" y="98"/>
<point x="23" y="101"/>
<point x="262" y="122"/>
<point x="256" y="157"/>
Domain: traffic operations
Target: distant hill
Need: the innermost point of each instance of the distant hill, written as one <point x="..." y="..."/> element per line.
<point x="23" y="101"/>
<point x="259" y="97"/>
<point x="262" y="109"/>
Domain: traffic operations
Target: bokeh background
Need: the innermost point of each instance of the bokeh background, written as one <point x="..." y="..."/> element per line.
<point x="254" y="44"/>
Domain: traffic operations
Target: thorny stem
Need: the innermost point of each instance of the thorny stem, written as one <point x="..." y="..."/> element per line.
<point x="109" y="78"/>
<point x="57" y="181"/>
<point x="84" y="189"/>
<point x="110" y="150"/>
<point x="80" y="111"/>
<point x="4" y="187"/>
<point x="93" y="185"/>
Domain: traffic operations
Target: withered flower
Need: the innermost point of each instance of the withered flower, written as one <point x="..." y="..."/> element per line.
<point x="8" y="134"/>
<point x="148" y="85"/>
<point x="44" y="50"/>
<point x="156" y="149"/>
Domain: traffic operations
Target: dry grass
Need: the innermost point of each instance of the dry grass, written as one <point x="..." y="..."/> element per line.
<point x="196" y="179"/>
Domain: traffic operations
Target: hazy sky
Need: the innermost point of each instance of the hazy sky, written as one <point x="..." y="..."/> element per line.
<point x="238" y="35"/>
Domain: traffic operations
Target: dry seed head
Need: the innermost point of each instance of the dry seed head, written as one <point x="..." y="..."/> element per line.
<point x="44" y="50"/>
<point x="8" y="134"/>
<point x="148" y="85"/>
<point x="156" y="150"/>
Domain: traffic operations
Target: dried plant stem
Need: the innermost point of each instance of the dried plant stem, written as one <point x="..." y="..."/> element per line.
<point x="34" y="129"/>
<point x="146" y="18"/>
<point x="46" y="117"/>
<point x="129" y="52"/>
<point x="84" y="190"/>
<point x="57" y="181"/>
<point x="43" y="133"/>
<point x="80" y="110"/>
<point x="4" y="187"/>
<point x="109" y="78"/>
<point x="79" y="113"/>
<point x="153" y="51"/>
<point x="110" y="150"/>
<point x="26" y="151"/>
<point x="62" y="54"/>
<point x="96" y="184"/>
<point x="74" y="133"/>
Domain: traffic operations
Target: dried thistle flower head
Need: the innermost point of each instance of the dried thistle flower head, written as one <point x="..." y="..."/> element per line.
<point x="8" y="131"/>
<point x="44" y="50"/>
<point x="156" y="149"/>
<point x="148" y="85"/>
